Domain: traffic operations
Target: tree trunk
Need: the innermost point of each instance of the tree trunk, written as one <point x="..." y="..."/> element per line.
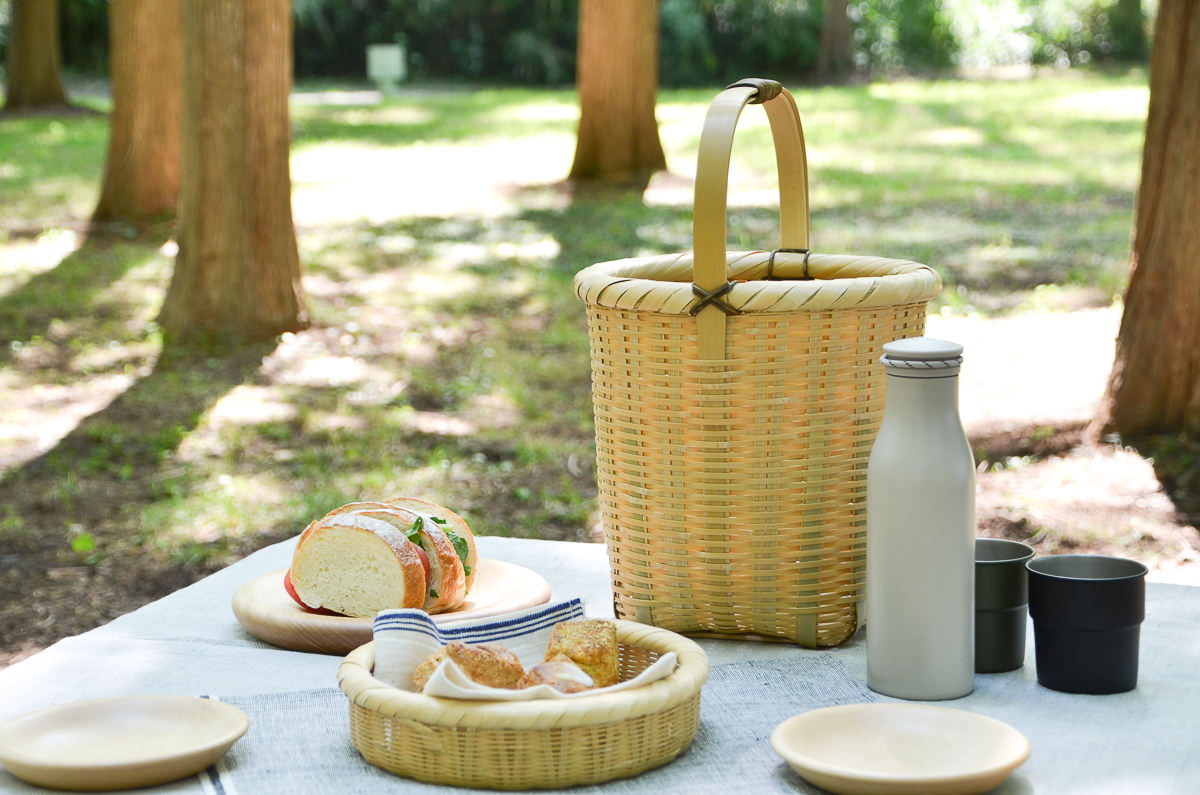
<point x="237" y="275"/>
<point x="833" y="54"/>
<point x="617" y="79"/>
<point x="141" y="177"/>
<point x="1155" y="382"/>
<point x="34" y="73"/>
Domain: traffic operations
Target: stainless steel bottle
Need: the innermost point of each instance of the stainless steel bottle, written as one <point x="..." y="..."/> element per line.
<point x="921" y="529"/>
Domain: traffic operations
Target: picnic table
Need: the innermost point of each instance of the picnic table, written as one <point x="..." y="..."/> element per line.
<point x="190" y="643"/>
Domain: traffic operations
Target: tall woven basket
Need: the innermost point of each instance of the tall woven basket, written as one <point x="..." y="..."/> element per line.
<point x="736" y="399"/>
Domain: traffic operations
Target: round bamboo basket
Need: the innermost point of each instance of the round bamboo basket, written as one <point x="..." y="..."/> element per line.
<point x="540" y="744"/>
<point x="736" y="399"/>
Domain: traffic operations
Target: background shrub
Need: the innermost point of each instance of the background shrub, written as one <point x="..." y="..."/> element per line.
<point x="532" y="42"/>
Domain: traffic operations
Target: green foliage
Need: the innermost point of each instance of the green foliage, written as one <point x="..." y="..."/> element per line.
<point x="718" y="41"/>
<point x="534" y="42"/>
<point x="701" y="42"/>
<point x="526" y="41"/>
<point x="82" y="543"/>
<point x="1072" y="32"/>
<point x="84" y="30"/>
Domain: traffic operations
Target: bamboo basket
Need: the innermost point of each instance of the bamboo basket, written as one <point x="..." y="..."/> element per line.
<point x="539" y="744"/>
<point x="736" y="399"/>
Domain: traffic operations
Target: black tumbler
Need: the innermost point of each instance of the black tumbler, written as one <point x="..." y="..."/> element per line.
<point x="1001" y="604"/>
<point x="1087" y="614"/>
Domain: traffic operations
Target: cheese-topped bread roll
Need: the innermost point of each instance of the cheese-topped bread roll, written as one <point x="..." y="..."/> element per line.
<point x="591" y="644"/>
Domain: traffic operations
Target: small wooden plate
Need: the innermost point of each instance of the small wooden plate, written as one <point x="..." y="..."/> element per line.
<point x="119" y="743"/>
<point x="895" y="749"/>
<point x="263" y="607"/>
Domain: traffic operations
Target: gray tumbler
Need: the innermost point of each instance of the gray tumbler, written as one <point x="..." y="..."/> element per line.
<point x="1001" y="604"/>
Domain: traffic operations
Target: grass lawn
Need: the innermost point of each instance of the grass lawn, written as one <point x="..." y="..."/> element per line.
<point x="448" y="356"/>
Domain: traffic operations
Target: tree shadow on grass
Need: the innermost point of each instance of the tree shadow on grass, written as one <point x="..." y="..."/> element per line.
<point x="70" y="528"/>
<point x="116" y="461"/>
<point x="69" y="291"/>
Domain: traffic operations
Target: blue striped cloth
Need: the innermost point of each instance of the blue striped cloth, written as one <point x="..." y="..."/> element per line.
<point x="406" y="637"/>
<point x="485" y="630"/>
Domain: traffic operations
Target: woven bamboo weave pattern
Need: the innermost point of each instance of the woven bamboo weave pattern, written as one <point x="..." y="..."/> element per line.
<point x="736" y="398"/>
<point x="733" y="492"/>
<point x="663" y="284"/>
<point x="532" y="744"/>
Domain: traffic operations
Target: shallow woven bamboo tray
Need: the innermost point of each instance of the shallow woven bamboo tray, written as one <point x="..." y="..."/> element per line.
<point x="736" y="399"/>
<point x="536" y="744"/>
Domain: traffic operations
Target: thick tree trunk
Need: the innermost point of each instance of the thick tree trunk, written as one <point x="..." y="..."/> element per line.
<point x="237" y="275"/>
<point x="617" y="79"/>
<point x="34" y="64"/>
<point x="1155" y="381"/>
<point x="141" y="178"/>
<point x="833" y="54"/>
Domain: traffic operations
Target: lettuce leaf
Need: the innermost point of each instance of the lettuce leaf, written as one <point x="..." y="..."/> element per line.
<point x="413" y="533"/>
<point x="461" y="547"/>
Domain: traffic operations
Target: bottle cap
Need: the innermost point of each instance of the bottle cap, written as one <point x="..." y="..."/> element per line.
<point x="922" y="357"/>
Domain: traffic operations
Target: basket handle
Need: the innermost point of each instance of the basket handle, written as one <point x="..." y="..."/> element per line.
<point x="709" y="271"/>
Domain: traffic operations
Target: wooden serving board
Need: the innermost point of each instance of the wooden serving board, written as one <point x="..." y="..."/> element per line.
<point x="264" y="608"/>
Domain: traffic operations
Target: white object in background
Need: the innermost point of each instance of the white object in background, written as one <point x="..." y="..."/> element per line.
<point x="385" y="65"/>
<point x="921" y="530"/>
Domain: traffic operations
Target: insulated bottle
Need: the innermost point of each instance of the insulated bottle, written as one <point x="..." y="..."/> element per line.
<point x="921" y="529"/>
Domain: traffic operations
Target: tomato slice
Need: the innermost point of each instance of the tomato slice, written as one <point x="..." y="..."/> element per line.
<point x="291" y="589"/>
<point x="424" y="561"/>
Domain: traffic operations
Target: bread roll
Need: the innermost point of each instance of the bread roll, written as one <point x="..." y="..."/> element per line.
<point x="589" y="643"/>
<point x="560" y="673"/>
<point x="490" y="665"/>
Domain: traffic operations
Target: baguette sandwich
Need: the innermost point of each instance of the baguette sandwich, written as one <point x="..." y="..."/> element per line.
<point x="370" y="556"/>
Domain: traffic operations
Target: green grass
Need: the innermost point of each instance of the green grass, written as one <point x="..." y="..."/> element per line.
<point x="448" y="357"/>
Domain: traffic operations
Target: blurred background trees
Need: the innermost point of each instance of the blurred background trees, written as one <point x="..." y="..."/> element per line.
<point x="237" y="275"/>
<point x="702" y="42"/>
<point x="33" y="60"/>
<point x="1155" y="382"/>
<point x="141" y="176"/>
<point x="617" y="78"/>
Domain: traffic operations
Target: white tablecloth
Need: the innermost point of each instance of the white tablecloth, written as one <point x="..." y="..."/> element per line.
<point x="1146" y="741"/>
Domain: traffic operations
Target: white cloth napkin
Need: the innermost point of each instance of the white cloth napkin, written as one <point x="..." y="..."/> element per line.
<point x="406" y="637"/>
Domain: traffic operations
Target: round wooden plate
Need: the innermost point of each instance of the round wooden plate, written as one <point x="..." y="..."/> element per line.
<point x="263" y="607"/>
<point x="895" y="749"/>
<point x="119" y="743"/>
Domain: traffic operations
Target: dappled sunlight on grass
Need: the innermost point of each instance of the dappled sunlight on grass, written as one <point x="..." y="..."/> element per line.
<point x="949" y="137"/>
<point x="251" y="405"/>
<point x="448" y="354"/>
<point x="22" y="258"/>
<point x="51" y="170"/>
<point x="563" y="112"/>
<point x="340" y="183"/>
<point x="1127" y="103"/>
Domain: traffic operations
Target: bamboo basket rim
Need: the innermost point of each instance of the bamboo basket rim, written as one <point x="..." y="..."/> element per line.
<point x="691" y="671"/>
<point x="762" y="281"/>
